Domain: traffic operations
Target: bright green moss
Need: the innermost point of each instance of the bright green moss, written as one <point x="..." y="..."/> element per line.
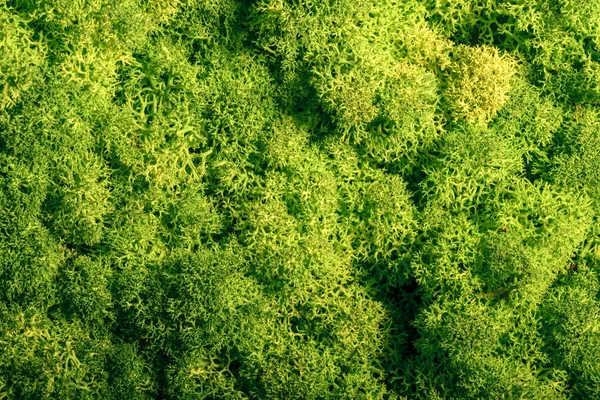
<point x="532" y="120"/>
<point x="475" y="163"/>
<point x="571" y="325"/>
<point x="473" y="342"/>
<point x="80" y="202"/>
<point x="45" y="359"/>
<point x="479" y="81"/>
<point x="277" y="199"/>
<point x="535" y="239"/>
<point x="22" y="58"/>
<point x="197" y="375"/>
<point x="578" y="166"/>
<point x="31" y="256"/>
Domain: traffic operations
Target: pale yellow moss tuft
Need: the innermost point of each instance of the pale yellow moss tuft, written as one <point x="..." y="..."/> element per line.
<point x="479" y="81"/>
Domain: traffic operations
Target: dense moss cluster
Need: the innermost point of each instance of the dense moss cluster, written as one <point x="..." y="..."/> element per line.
<point x="299" y="199"/>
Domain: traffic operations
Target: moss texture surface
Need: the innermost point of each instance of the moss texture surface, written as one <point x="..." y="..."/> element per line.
<point x="299" y="199"/>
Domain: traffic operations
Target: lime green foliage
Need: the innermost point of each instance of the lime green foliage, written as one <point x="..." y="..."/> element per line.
<point x="22" y="58"/>
<point x="282" y="199"/>
<point x="559" y="38"/>
<point x="571" y="316"/>
<point x="578" y="167"/>
<point x="82" y="202"/>
<point x="478" y="82"/>
<point x="377" y="213"/>
<point x="85" y="286"/>
<point x="31" y="255"/>
<point x="345" y="52"/>
<point x="44" y="358"/>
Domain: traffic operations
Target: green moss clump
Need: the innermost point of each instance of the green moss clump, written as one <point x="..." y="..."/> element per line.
<point x="478" y="82"/>
<point x="23" y="57"/>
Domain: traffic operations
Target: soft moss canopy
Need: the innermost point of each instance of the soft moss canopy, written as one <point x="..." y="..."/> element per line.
<point x="299" y="199"/>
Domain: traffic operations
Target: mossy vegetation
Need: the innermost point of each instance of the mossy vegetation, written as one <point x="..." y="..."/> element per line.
<point x="295" y="199"/>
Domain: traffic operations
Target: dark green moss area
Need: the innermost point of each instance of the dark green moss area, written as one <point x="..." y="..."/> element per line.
<point x="299" y="199"/>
